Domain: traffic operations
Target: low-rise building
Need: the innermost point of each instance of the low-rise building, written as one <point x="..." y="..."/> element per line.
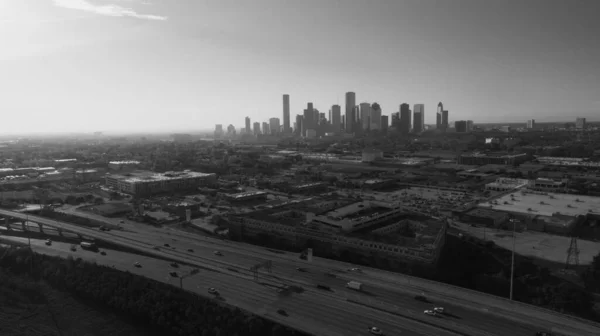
<point x="148" y="183"/>
<point x="248" y="196"/>
<point x="506" y="184"/>
<point x="486" y="217"/>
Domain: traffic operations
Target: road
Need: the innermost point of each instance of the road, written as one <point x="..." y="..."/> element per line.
<point x="305" y="309"/>
<point x="390" y="291"/>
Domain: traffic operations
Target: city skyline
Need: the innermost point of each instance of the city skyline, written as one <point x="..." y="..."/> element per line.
<point x="150" y="66"/>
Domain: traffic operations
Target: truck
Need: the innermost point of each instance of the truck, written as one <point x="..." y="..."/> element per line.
<point x="355" y="285"/>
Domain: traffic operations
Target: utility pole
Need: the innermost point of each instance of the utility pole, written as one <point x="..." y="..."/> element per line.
<point x="512" y="264"/>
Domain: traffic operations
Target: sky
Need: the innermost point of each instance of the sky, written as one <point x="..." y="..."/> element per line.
<point x="186" y="65"/>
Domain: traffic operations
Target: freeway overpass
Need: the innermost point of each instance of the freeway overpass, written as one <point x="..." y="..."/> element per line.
<point x="475" y="313"/>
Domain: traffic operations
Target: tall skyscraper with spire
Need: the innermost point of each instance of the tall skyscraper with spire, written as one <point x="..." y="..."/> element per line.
<point x="286" y="113"/>
<point x="350" y="108"/>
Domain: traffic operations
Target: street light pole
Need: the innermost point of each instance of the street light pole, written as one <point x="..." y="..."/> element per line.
<point x="512" y="264"/>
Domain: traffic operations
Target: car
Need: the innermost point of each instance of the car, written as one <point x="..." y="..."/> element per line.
<point x="300" y="269"/>
<point x="213" y="291"/>
<point x="282" y="312"/>
<point x="174" y="264"/>
<point x="167" y="245"/>
<point x="324" y="287"/>
<point x="48" y="242"/>
<point x="375" y="331"/>
<point x="439" y="310"/>
<point x="355" y="270"/>
<point x="103" y="253"/>
<point x="122" y="222"/>
<point x="173" y="274"/>
<point x="430" y="312"/>
<point x="191" y="250"/>
<point x="73" y="248"/>
<point x="217" y="253"/>
<point x="137" y="264"/>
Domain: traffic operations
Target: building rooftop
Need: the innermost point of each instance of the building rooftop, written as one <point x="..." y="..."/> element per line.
<point x="152" y="176"/>
<point x="123" y="162"/>
<point x="545" y="204"/>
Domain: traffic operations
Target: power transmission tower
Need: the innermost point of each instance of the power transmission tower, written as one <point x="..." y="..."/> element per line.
<point x="572" y="254"/>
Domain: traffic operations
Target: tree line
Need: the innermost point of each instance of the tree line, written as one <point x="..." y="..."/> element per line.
<point x="169" y="310"/>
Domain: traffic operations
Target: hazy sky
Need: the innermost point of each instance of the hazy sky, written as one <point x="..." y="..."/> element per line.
<point x="115" y="65"/>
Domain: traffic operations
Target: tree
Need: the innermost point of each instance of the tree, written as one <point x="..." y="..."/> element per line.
<point x="98" y="200"/>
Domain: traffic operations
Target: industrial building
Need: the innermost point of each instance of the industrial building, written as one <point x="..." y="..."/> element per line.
<point x="367" y="234"/>
<point x="143" y="183"/>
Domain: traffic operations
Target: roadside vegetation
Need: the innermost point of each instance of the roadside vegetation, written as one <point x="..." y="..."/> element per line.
<point x="165" y="309"/>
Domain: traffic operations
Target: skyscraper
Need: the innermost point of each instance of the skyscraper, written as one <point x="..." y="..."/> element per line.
<point x="375" y="117"/>
<point x="580" y="123"/>
<point x="365" y="116"/>
<point x="469" y="125"/>
<point x="299" y="122"/>
<point x="405" y="119"/>
<point x="256" y="128"/>
<point x="396" y="121"/>
<point x="350" y="108"/>
<point x="384" y="123"/>
<point x="419" y="118"/>
<point x="531" y="124"/>
<point x="445" y="120"/>
<point x="438" y="116"/>
<point x="248" y="129"/>
<point x="286" y="113"/>
<point x="336" y="118"/>
<point x="274" y="125"/>
<point x="309" y="119"/>
<point x="265" y="127"/>
<point x="460" y="126"/>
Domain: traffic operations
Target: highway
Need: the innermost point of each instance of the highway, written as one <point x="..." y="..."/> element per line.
<point x="385" y="290"/>
<point x="305" y="310"/>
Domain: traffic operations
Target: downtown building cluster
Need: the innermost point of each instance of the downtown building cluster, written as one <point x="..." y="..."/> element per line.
<point x="354" y="119"/>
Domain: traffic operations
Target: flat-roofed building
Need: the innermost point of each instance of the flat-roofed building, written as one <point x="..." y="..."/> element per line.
<point x="148" y="183"/>
<point x="123" y="165"/>
<point x="486" y="217"/>
<point x="506" y="184"/>
<point x="248" y="196"/>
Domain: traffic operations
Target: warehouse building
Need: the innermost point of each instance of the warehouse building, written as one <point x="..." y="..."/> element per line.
<point x="148" y="183"/>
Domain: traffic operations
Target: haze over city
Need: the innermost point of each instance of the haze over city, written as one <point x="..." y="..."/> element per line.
<point x="85" y="65"/>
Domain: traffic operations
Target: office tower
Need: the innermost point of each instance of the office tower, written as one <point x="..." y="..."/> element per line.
<point x="248" y="125"/>
<point x="375" y="123"/>
<point x="231" y="130"/>
<point x="308" y="122"/>
<point x="343" y="122"/>
<point x="531" y="124"/>
<point x="350" y="109"/>
<point x="419" y="118"/>
<point x="469" y="125"/>
<point x="460" y="126"/>
<point x="405" y="119"/>
<point x="396" y="121"/>
<point x="286" y="113"/>
<point x="256" y="128"/>
<point x="365" y="115"/>
<point x="580" y="123"/>
<point x="336" y="118"/>
<point x="274" y="125"/>
<point x="265" y="127"/>
<point x="355" y="124"/>
<point x="298" y="130"/>
<point x="438" y="116"/>
<point x="445" y="120"/>
<point x="384" y="123"/>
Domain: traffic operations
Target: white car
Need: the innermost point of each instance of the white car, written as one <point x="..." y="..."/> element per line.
<point x="354" y="270"/>
<point x="430" y="312"/>
<point x="375" y="331"/>
<point x="439" y="310"/>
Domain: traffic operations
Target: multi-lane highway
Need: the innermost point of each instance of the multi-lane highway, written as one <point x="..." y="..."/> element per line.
<point x="305" y="310"/>
<point x="384" y="290"/>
